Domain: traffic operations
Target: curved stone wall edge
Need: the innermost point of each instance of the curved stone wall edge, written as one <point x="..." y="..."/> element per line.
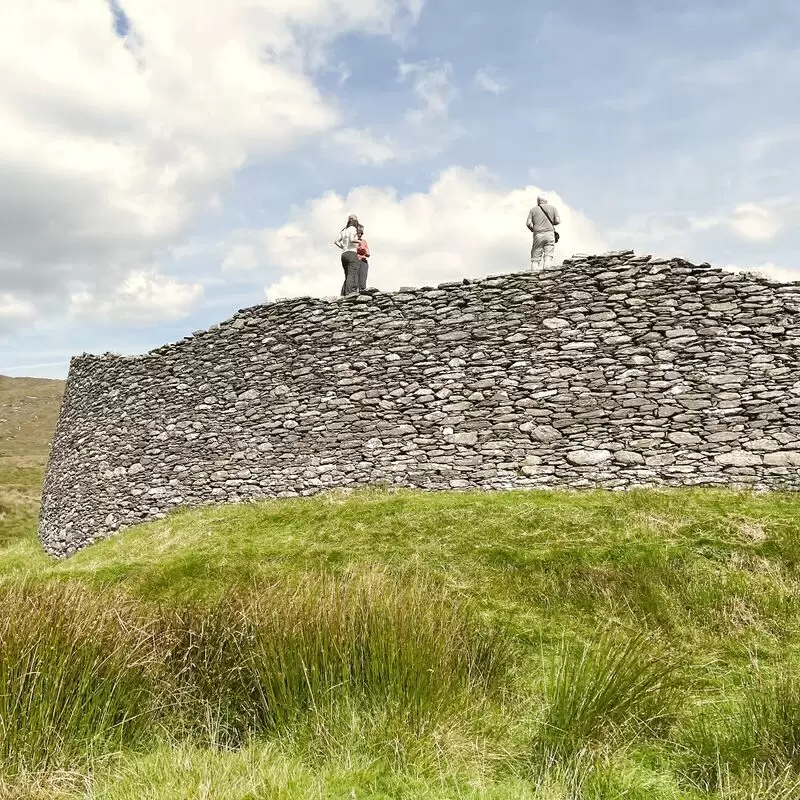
<point x="612" y="371"/>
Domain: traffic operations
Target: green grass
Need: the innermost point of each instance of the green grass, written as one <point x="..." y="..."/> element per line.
<point x="77" y="682"/>
<point x="524" y="644"/>
<point x="609" y="688"/>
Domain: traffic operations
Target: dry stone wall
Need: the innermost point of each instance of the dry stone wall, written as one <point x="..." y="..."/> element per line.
<point x="607" y="371"/>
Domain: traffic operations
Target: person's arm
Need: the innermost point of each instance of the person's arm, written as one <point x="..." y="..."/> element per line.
<point x="556" y="218"/>
<point x="366" y="247"/>
<point x="339" y="243"/>
<point x="529" y="223"/>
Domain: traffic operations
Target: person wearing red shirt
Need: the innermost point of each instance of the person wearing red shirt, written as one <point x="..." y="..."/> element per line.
<point x="362" y="251"/>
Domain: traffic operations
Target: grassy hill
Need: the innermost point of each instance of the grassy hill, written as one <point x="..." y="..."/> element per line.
<point x="547" y="645"/>
<point x="28" y="412"/>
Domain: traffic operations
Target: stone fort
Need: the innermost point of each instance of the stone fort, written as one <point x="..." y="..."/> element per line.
<point x="613" y="371"/>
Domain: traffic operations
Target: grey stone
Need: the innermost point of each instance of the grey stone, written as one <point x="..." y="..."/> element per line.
<point x="724" y="436"/>
<point x="738" y="458"/>
<point x="628" y="457"/>
<point x="673" y="333"/>
<point x="787" y="458"/>
<point x="683" y="437"/>
<point x="545" y="433"/>
<point x="587" y="458"/>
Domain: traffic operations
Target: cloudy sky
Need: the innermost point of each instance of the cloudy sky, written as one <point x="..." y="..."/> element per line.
<point x="164" y="163"/>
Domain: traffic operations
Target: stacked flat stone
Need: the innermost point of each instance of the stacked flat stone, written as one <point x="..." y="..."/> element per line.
<point x="612" y="371"/>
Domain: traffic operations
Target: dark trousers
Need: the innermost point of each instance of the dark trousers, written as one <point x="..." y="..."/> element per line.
<point x="363" y="269"/>
<point x="351" y="264"/>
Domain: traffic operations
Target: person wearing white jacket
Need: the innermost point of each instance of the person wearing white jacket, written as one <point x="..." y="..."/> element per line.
<point x="347" y="242"/>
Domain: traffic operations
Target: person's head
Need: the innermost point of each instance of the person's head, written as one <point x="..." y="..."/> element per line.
<point x="542" y="199"/>
<point x="360" y="230"/>
<point x="352" y="221"/>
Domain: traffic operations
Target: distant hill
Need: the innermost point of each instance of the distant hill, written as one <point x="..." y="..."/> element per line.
<point x="28" y="413"/>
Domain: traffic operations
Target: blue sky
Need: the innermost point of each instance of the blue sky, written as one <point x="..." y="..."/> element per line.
<point x="175" y="172"/>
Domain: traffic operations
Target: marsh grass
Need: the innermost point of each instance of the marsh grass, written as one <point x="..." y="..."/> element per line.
<point x="76" y="683"/>
<point x="49" y="785"/>
<point x="257" y="663"/>
<point x="90" y="675"/>
<point x="610" y="690"/>
<point x="761" y="784"/>
<point x="768" y="725"/>
<point x="750" y="737"/>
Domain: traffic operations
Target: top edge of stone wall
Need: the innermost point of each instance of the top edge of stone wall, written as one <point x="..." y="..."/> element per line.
<point x="584" y="263"/>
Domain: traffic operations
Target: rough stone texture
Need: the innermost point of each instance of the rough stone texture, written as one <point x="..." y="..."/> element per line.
<point x="613" y="371"/>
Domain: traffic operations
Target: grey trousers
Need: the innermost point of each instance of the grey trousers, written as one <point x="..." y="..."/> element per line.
<point x="542" y="250"/>
<point x="363" y="270"/>
<point x="352" y="266"/>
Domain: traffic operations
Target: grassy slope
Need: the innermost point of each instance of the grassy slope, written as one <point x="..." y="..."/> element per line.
<point x="28" y="412"/>
<point x="713" y="574"/>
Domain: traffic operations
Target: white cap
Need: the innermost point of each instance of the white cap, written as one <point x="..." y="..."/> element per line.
<point x="542" y="198"/>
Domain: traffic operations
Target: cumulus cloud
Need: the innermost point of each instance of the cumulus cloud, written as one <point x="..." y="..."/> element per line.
<point x="143" y="297"/>
<point x="113" y="143"/>
<point x="463" y="226"/>
<point x="768" y="270"/>
<point x="667" y="231"/>
<point x="754" y="223"/>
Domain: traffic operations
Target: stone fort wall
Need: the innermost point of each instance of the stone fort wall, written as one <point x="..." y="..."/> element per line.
<point x="608" y="371"/>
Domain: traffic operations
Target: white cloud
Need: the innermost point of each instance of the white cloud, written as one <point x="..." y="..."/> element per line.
<point x="463" y="226"/>
<point x="240" y="258"/>
<point x="424" y="131"/>
<point x="754" y="223"/>
<point x="747" y="221"/>
<point x="432" y="84"/>
<point x="143" y="297"/>
<point x="768" y="270"/>
<point x="485" y="81"/>
<point x="365" y="147"/>
<point x="110" y="147"/>
<point x="13" y="312"/>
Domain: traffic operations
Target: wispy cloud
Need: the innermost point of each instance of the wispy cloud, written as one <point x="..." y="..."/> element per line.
<point x="486" y="81"/>
<point x="366" y="147"/>
<point x="432" y="84"/>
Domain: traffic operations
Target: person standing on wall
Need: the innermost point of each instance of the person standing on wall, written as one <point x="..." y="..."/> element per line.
<point x="542" y="221"/>
<point x="362" y="251"/>
<point x="347" y="242"/>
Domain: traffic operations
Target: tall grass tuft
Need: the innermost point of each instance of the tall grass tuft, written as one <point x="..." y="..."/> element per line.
<point x="75" y="681"/>
<point x="256" y="664"/>
<point x="769" y="721"/>
<point x="760" y="785"/>
<point x="606" y="689"/>
<point x="757" y="733"/>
